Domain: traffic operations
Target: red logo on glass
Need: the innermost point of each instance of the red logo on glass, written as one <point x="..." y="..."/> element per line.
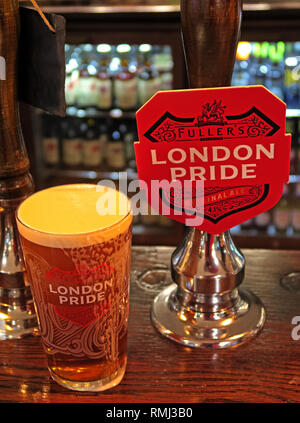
<point x="82" y="295"/>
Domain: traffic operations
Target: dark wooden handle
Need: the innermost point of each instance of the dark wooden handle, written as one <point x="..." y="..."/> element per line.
<point x="13" y="156"/>
<point x="15" y="180"/>
<point x="211" y="31"/>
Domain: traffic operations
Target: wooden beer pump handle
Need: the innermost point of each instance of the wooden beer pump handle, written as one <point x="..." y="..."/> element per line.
<point x="206" y="306"/>
<point x="17" y="312"/>
<point x="211" y="30"/>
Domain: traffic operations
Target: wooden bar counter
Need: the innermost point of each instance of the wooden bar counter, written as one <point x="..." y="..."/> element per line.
<point x="266" y="369"/>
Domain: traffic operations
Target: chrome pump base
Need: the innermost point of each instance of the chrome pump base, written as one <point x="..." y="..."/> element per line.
<point x="17" y="313"/>
<point x="206" y="306"/>
<point x="192" y="328"/>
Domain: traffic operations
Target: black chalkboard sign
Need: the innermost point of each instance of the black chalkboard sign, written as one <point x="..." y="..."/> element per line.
<point x="41" y="57"/>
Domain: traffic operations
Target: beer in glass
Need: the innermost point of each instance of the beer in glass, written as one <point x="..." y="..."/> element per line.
<point x="76" y="242"/>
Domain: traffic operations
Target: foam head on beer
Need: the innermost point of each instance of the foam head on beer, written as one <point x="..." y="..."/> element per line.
<point x="77" y="209"/>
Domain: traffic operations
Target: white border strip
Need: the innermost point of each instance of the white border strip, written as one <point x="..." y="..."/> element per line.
<point x="160" y="8"/>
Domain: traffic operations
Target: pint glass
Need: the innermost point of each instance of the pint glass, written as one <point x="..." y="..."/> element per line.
<point x="77" y="257"/>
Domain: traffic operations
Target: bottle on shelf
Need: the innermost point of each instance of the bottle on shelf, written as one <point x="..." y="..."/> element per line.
<point x="103" y="130"/>
<point x="72" y="54"/>
<point x="91" y="151"/>
<point x="282" y="212"/>
<point x="133" y="58"/>
<point x="125" y="81"/>
<point x="115" y="63"/>
<point x="263" y="221"/>
<point x="163" y="61"/>
<point x="291" y="77"/>
<point x="87" y="92"/>
<point x="295" y="212"/>
<point x="115" y="151"/>
<point x="126" y="129"/>
<point x="105" y="82"/>
<point x="290" y="129"/>
<point x="241" y="74"/>
<point x="274" y="79"/>
<point x="71" y="143"/>
<point x="50" y="143"/>
<point x="259" y="64"/>
<point x="148" y="78"/>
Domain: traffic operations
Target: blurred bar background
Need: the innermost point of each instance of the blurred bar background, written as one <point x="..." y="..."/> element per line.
<point x="118" y="54"/>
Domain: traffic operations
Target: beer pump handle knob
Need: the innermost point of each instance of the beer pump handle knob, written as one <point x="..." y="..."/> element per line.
<point x="210" y="30"/>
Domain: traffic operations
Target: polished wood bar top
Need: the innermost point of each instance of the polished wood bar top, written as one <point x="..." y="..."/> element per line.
<point x="265" y="369"/>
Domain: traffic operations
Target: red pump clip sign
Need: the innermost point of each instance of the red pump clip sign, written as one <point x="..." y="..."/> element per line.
<point x="213" y="158"/>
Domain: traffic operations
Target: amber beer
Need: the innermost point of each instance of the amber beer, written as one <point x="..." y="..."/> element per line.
<point x="78" y="263"/>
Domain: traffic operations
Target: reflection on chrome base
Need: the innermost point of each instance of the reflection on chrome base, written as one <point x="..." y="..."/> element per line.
<point x="17" y="314"/>
<point x="221" y="329"/>
<point x="206" y="306"/>
<point x="155" y="279"/>
<point x="291" y="282"/>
